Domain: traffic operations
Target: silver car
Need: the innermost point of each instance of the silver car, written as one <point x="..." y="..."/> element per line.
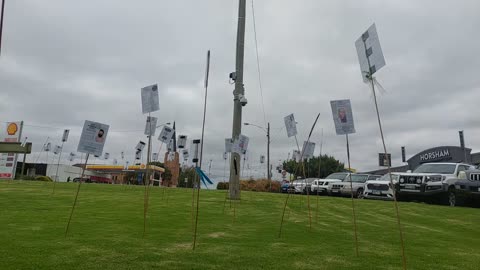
<point x="345" y="188"/>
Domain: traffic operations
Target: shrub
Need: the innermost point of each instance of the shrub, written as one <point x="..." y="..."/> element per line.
<point x="44" y="178"/>
<point x="222" y="185"/>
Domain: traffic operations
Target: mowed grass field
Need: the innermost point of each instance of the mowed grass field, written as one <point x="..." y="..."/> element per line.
<point x="106" y="231"/>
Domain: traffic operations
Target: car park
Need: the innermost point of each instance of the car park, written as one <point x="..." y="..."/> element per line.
<point x="322" y="185"/>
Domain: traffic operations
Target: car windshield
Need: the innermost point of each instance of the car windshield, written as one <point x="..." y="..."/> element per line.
<point x="357" y="178"/>
<point x="436" y="168"/>
<point x="339" y="176"/>
<point x="386" y="177"/>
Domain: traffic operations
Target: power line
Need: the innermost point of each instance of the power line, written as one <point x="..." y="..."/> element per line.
<point x="258" y="64"/>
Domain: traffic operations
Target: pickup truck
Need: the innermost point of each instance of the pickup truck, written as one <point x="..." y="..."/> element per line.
<point x="430" y="178"/>
<point x="321" y="186"/>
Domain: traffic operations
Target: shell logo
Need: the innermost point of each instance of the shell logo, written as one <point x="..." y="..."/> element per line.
<point x="12" y="129"/>
<point x="142" y="166"/>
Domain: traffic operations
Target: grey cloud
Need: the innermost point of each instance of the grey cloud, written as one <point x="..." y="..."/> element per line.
<point x="67" y="62"/>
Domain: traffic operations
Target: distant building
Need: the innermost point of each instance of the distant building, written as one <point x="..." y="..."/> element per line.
<point x="454" y="154"/>
<point x="50" y="170"/>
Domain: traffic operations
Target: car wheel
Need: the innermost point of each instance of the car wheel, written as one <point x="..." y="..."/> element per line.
<point x="452" y="198"/>
<point x="359" y="194"/>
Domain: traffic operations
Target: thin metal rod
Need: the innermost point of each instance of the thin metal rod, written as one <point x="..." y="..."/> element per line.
<point x="201" y="148"/>
<point x="39" y="153"/>
<point x="353" y="202"/>
<point x="194" y="182"/>
<point x="296" y="169"/>
<point x="225" y="183"/>
<point x="58" y="165"/>
<point x="395" y="202"/>
<point x="76" y="195"/>
<point x="402" y="243"/>
<point x="1" y="24"/>
<point x="319" y="174"/>
<point x="147" y="177"/>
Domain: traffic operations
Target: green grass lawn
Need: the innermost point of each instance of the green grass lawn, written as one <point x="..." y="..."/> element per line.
<point x="106" y="231"/>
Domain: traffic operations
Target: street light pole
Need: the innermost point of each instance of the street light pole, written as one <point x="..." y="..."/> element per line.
<point x="269" y="174"/>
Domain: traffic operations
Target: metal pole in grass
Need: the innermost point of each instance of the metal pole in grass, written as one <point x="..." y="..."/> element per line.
<point x="201" y="146"/>
<point x="147" y="174"/>
<point x="1" y="24"/>
<point x="288" y="194"/>
<point x="76" y="195"/>
<point x="353" y="202"/>
<point x="224" y="181"/>
<point x="319" y="175"/>
<point x="194" y="182"/>
<point x="371" y="60"/>
<point x="58" y="165"/>
<point x="397" y="211"/>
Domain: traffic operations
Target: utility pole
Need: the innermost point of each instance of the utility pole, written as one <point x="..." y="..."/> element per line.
<point x="238" y="101"/>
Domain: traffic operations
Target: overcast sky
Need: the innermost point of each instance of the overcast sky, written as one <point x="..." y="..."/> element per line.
<point x="64" y="62"/>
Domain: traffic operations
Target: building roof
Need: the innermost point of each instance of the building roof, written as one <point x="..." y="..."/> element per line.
<point x="120" y="168"/>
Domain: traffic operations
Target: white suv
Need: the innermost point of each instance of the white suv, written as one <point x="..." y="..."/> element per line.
<point x="324" y="185"/>
<point x="430" y="178"/>
<point x="380" y="188"/>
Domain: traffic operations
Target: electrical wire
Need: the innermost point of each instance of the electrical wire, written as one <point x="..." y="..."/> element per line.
<point x="258" y="64"/>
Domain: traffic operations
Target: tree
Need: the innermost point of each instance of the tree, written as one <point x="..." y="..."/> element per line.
<point x="188" y="173"/>
<point x="167" y="175"/>
<point x="328" y="164"/>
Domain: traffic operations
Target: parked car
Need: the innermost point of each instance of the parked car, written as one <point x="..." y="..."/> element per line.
<point x="285" y="186"/>
<point x="83" y="180"/>
<point x="465" y="188"/>
<point x="297" y="186"/>
<point x="322" y="185"/>
<point x="430" y="179"/>
<point x="357" y="185"/>
<point x="380" y="188"/>
<point x="307" y="184"/>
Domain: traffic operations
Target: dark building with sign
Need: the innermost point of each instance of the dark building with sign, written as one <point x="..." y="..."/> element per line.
<point x="454" y="154"/>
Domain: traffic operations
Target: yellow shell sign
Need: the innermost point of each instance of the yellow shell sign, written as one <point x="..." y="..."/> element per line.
<point x="12" y="129"/>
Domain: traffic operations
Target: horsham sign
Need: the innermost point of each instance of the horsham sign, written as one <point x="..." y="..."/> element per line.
<point x="440" y="154"/>
<point x="434" y="155"/>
